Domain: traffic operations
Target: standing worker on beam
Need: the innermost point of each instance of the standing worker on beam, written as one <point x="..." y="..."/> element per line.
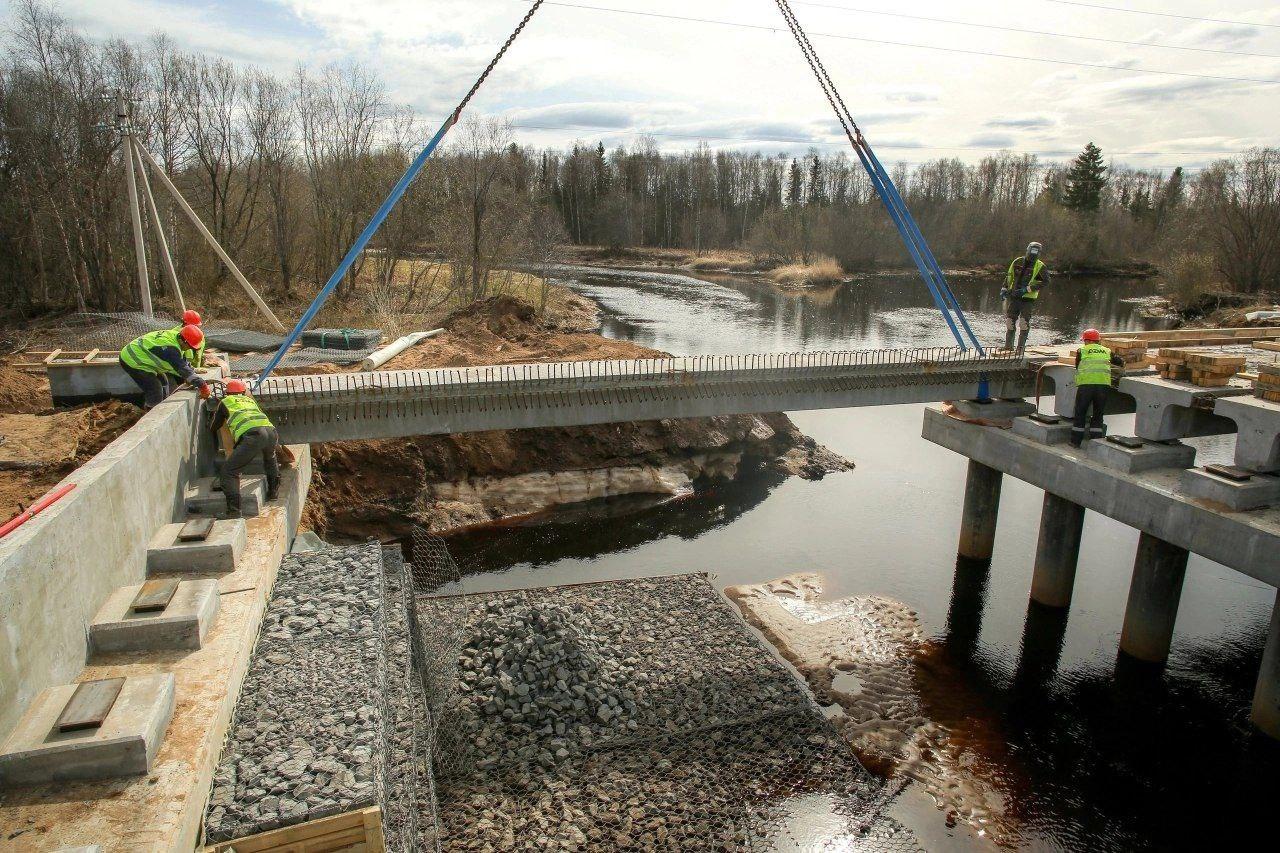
<point x="1027" y="274"/>
<point x="1093" y="387"/>
<point x="154" y="360"/>
<point x="254" y="436"/>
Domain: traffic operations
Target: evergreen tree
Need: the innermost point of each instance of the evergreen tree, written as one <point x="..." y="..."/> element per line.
<point x="1085" y="181"/>
<point x="795" y="185"/>
<point x="817" y="190"/>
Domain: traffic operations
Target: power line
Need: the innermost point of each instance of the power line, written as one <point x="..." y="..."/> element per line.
<point x="1037" y="32"/>
<point x="1162" y="14"/>
<point x="774" y="29"/>
<point x="1048" y="152"/>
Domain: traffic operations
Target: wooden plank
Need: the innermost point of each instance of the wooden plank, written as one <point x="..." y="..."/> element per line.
<point x="357" y="830"/>
<point x="1231" y="472"/>
<point x="89" y="705"/>
<point x="51" y="356"/>
<point x="1271" y="346"/>
<point x="90" y="356"/>
<point x="154" y="596"/>
<point x="196" y="529"/>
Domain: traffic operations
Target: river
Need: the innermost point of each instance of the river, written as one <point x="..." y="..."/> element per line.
<point x="1088" y="752"/>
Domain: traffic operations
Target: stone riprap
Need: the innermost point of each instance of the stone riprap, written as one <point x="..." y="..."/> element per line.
<point x="308" y="739"/>
<point x="650" y="718"/>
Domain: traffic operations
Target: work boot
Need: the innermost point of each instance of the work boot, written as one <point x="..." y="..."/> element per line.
<point x="273" y="492"/>
<point x="1008" y="339"/>
<point x="1022" y="340"/>
<point x="233" y="510"/>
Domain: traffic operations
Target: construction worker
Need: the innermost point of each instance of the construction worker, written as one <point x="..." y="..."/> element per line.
<point x="254" y="436"/>
<point x="159" y="361"/>
<point x="1093" y="386"/>
<point x="1027" y="274"/>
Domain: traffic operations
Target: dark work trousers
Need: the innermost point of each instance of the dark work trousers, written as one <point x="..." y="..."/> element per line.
<point x="155" y="387"/>
<point x="258" y="442"/>
<point x="1091" y="405"/>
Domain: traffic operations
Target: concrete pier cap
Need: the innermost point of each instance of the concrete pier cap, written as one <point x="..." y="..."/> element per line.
<point x="1257" y="431"/>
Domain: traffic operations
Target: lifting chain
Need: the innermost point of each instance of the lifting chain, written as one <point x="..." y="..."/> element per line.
<point x="501" y="52"/>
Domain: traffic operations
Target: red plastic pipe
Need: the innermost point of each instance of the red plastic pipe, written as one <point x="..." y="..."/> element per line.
<point x="35" y="509"/>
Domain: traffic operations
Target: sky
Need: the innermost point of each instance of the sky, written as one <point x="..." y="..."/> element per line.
<point x="589" y="70"/>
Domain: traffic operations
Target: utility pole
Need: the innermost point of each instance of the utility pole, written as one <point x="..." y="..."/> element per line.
<point x="124" y="122"/>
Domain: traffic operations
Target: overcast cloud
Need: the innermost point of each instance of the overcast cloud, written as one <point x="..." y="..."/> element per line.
<point x="576" y="70"/>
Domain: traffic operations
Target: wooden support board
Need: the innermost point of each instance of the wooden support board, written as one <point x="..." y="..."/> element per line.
<point x="89" y="705"/>
<point x="357" y="832"/>
<point x="196" y="529"/>
<point x="154" y="596"/>
<point x="1270" y="346"/>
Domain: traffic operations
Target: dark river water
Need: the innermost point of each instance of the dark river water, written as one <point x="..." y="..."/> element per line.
<point x="1089" y="753"/>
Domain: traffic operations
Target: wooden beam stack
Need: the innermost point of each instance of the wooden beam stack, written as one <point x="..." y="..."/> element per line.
<point x="1267" y="385"/>
<point x="1132" y="350"/>
<point x="1206" y="369"/>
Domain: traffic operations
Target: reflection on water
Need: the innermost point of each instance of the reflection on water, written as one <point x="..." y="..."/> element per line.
<point x="1087" y="757"/>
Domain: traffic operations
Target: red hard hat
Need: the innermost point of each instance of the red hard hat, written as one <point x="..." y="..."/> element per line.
<point x="236" y="386"/>
<point x="192" y="335"/>
<point x="191" y="318"/>
<point x="1091" y="335"/>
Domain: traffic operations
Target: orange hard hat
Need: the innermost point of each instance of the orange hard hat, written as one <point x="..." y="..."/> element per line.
<point x="1091" y="335"/>
<point x="192" y="335"/>
<point x="191" y="318"/>
<point x="236" y="386"/>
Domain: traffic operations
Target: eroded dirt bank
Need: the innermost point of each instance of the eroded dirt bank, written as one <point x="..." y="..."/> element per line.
<point x="383" y="488"/>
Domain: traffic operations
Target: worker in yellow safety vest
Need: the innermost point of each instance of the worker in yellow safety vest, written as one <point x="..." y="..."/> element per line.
<point x="1093" y="387"/>
<point x="254" y="436"/>
<point x="1022" y="283"/>
<point x="159" y="361"/>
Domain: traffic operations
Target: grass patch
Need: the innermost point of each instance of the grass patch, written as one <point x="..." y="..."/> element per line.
<point x="823" y="270"/>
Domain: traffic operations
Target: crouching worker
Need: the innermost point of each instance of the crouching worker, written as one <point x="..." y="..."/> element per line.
<point x="1093" y="387"/>
<point x="254" y="438"/>
<point x="158" y="362"/>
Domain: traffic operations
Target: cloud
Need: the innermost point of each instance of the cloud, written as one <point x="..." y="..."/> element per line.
<point x="991" y="140"/>
<point x="1152" y="90"/>
<point x="596" y="115"/>
<point x="1027" y="122"/>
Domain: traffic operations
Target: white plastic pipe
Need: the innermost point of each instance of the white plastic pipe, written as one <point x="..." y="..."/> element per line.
<point x="377" y="358"/>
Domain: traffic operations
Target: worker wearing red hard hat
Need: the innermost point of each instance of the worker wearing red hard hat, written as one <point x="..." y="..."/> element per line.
<point x="1093" y="387"/>
<point x="159" y="361"/>
<point x="254" y="436"/>
<point x="192" y="318"/>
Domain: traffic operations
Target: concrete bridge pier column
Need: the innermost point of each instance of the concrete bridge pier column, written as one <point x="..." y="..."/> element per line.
<point x="1158" y="572"/>
<point x="981" y="509"/>
<point x="1057" y="551"/>
<point x="1266" y="696"/>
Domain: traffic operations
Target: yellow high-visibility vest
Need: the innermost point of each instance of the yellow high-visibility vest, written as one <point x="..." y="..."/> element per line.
<point x="243" y="414"/>
<point x="1011" y="279"/>
<point x="1095" y="365"/>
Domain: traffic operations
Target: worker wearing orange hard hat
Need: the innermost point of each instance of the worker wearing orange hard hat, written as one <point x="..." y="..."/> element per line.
<point x="254" y="436"/>
<point x="160" y="361"/>
<point x="1093" y="387"/>
<point x="192" y="318"/>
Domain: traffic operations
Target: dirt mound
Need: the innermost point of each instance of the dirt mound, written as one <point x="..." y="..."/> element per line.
<point x="22" y="392"/>
<point x="41" y="450"/>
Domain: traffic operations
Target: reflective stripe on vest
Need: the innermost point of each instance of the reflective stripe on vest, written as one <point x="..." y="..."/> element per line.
<point x="1095" y="365"/>
<point x="1011" y="278"/>
<point x="138" y="352"/>
<point x="243" y="415"/>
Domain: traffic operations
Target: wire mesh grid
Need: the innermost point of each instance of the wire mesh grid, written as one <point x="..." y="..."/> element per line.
<point x="629" y="715"/>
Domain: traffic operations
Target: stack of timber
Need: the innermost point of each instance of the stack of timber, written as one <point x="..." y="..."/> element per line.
<point x="1132" y="350"/>
<point x="1206" y="369"/>
<point x="1267" y="383"/>
<point x="1200" y="337"/>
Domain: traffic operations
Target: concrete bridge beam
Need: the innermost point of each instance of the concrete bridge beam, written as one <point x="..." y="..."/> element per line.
<point x="1257" y="431"/>
<point x="1266" y="696"/>
<point x="1167" y="409"/>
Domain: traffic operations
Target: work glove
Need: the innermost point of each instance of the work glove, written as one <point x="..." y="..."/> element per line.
<point x="1004" y="293"/>
<point x="205" y="392"/>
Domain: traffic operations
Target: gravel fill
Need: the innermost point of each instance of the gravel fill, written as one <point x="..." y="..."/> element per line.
<point x="636" y="715"/>
<point x="308" y="739"/>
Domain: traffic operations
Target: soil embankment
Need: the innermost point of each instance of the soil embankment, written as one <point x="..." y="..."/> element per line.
<point x="384" y="488"/>
<point x="39" y="446"/>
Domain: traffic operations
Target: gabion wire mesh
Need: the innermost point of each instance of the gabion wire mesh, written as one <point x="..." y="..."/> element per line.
<point x="111" y="331"/>
<point x="630" y="715"/>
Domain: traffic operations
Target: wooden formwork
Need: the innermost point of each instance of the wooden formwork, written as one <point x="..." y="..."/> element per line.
<point x="352" y="832"/>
